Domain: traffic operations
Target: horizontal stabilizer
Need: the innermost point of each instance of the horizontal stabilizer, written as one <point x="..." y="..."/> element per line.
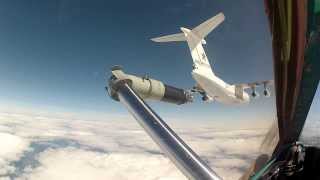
<point x="170" y="38"/>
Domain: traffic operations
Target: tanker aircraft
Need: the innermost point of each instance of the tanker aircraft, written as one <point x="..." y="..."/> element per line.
<point x="210" y="86"/>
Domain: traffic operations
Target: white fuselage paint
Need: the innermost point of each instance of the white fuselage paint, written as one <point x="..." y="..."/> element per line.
<point x="217" y="89"/>
<point x="213" y="86"/>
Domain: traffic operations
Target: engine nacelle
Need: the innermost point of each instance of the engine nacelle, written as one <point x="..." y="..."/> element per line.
<point x="266" y="93"/>
<point x="254" y="94"/>
<point x="207" y="98"/>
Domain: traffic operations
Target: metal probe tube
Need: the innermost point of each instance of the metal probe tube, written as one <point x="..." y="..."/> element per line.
<point x="178" y="151"/>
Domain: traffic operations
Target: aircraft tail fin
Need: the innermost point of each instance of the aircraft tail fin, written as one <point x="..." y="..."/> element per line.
<point x="195" y="39"/>
<point x="206" y="27"/>
<point x="201" y="31"/>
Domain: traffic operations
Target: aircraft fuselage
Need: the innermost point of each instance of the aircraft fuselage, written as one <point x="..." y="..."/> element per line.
<point x="217" y="89"/>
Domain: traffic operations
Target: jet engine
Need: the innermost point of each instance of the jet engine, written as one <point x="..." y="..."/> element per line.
<point x="254" y="93"/>
<point x="206" y="98"/>
<point x="266" y="93"/>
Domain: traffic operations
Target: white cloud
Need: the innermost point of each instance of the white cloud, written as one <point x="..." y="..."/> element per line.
<point x="120" y="149"/>
<point x="11" y="148"/>
<point x="77" y="164"/>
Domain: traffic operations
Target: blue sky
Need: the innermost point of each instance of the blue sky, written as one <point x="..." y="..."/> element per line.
<point x="55" y="54"/>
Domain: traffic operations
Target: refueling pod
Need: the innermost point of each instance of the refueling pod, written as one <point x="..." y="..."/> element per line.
<point x="148" y="88"/>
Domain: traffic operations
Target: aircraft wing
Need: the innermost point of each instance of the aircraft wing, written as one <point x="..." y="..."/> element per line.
<point x="255" y="84"/>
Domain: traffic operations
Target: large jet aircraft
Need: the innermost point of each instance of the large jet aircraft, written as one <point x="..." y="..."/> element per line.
<point x="210" y="86"/>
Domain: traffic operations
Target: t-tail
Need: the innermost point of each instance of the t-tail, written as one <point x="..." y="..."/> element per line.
<point x="195" y="39"/>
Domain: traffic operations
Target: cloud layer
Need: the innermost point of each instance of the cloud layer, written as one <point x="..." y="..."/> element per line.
<point x="72" y="163"/>
<point x="52" y="148"/>
<point x="11" y="149"/>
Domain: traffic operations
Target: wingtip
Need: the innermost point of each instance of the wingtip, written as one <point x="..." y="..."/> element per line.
<point x="222" y="15"/>
<point x="153" y="39"/>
